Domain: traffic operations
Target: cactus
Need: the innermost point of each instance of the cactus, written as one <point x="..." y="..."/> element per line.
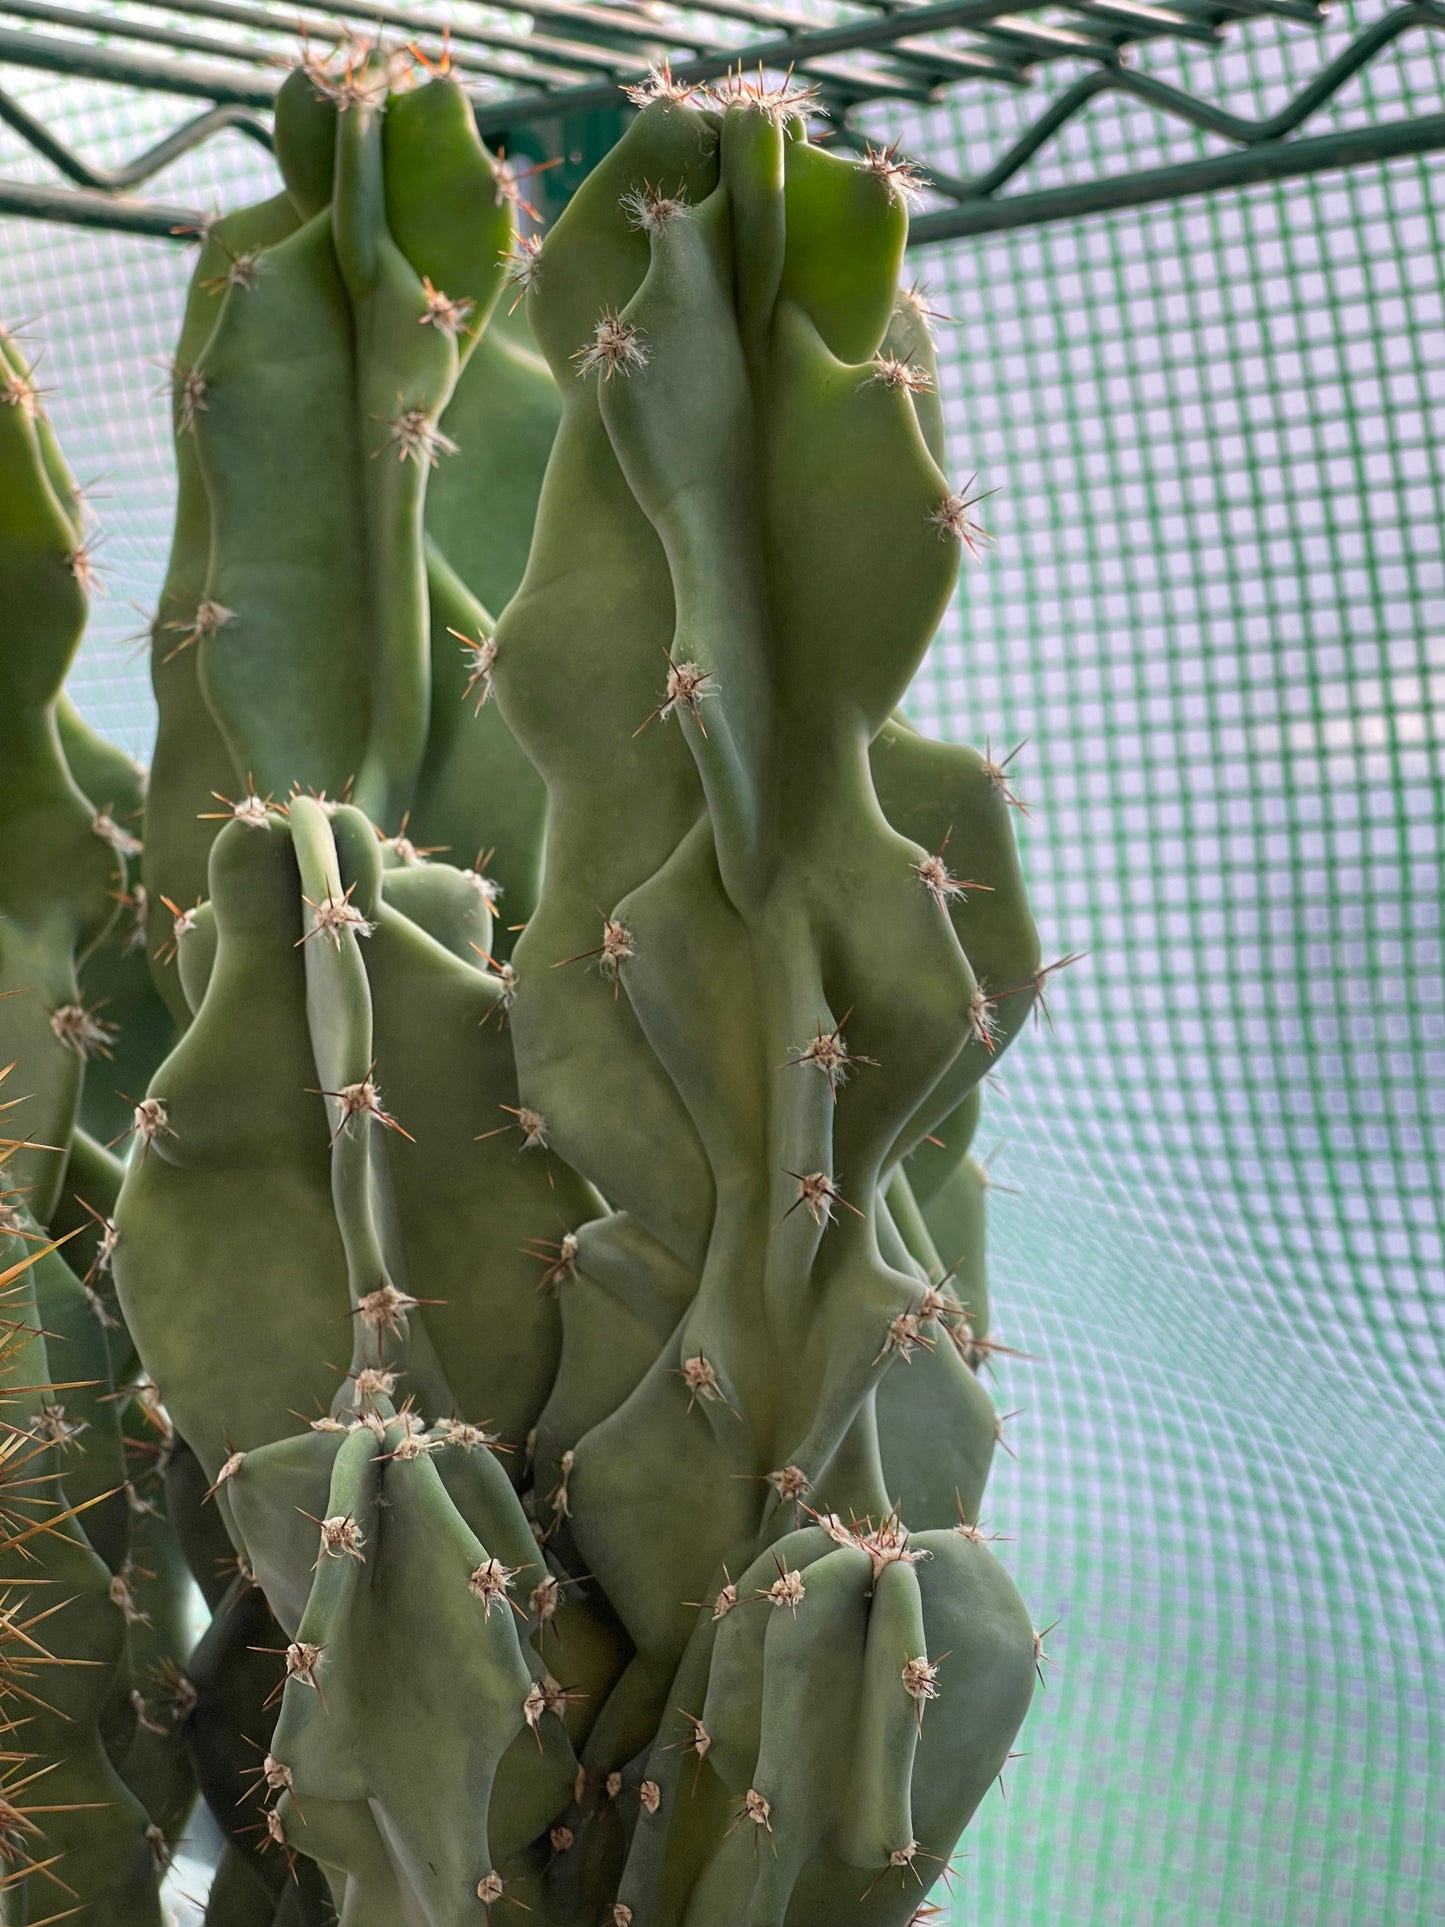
<point x="338" y="320"/>
<point x="86" y="1545"/>
<point x="316" y="978"/>
<point x="743" y="546"/>
<point x="325" y="333"/>
<point x="626" y="1556"/>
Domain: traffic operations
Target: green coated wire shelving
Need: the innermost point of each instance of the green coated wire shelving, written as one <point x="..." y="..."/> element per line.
<point x="561" y="80"/>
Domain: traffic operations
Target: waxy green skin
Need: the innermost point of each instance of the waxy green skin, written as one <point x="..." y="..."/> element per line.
<point x="104" y="1587"/>
<point x="301" y="515"/>
<point x="296" y="515"/>
<point x="191" y="762"/>
<point x="751" y="500"/>
<point x="114" y="976"/>
<point x="290" y="1221"/>
<point x="58" y="877"/>
<point x="748" y="497"/>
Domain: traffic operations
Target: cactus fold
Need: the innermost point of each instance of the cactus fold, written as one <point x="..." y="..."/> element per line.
<point x="305" y="635"/>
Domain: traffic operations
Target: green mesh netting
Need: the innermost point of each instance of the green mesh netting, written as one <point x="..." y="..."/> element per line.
<point x="1217" y="612"/>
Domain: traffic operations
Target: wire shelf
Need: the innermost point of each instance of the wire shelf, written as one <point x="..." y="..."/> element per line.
<point x="557" y="86"/>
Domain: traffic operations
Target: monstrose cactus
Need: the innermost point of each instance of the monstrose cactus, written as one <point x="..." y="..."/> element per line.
<point x="566" y="1352"/>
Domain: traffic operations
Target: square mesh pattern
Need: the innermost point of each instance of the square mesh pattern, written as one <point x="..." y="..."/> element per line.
<point x="1216" y="611"/>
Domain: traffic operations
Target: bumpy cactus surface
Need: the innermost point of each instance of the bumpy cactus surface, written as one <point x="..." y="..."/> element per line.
<point x="310" y="631"/>
<point x="96" y="1784"/>
<point x="744" y="544"/>
<point x="572" y="1350"/>
<point x="325" y="332"/>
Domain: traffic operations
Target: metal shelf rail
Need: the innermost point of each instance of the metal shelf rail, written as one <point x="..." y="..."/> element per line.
<point x="557" y="85"/>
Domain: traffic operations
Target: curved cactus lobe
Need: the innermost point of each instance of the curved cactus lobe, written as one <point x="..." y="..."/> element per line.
<point x="941" y="795"/>
<point x="60" y="871"/>
<point x="404" y="374"/>
<point x="982" y="1646"/>
<point x="153" y="1760"/>
<point x="467" y="1215"/>
<point x="327" y="374"/>
<point x="621" y="1306"/>
<point x="227" y="1232"/>
<point x="85" y="1214"/>
<point x="82" y="1415"/>
<point x="191" y="761"/>
<point x="845" y="241"/>
<point x="503" y="416"/>
<point x="475" y="780"/>
<point x="443" y="206"/>
<point x="709" y="494"/>
<point x="46" y="597"/>
<point x="316" y="400"/>
<point x="582" y="653"/>
<point x="410" y="1627"/>
<point x="236" y="1671"/>
<point x="288" y="547"/>
<point x="453" y="907"/>
<point x="415" y="1244"/>
<point x="823" y="1742"/>
<point x="115" y="978"/>
<point x="729" y="461"/>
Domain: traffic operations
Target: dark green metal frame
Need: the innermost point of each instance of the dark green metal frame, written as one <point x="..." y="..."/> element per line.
<point x="556" y="90"/>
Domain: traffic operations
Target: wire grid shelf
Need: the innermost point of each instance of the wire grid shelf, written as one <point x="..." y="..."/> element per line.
<point x="550" y="72"/>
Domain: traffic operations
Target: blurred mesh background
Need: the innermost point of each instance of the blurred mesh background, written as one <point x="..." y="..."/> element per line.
<point x="1216" y="610"/>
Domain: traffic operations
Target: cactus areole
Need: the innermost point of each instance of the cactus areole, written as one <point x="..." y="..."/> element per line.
<point x="563" y="1274"/>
